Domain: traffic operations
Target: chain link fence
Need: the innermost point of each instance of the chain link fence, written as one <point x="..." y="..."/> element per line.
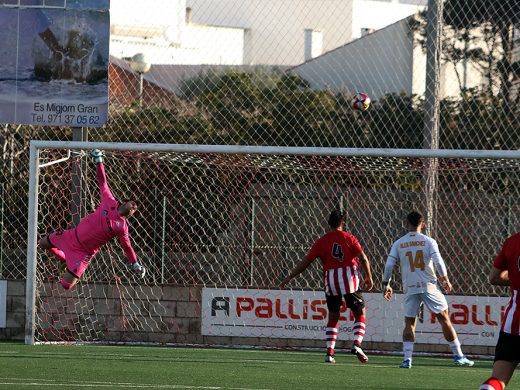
<point x="229" y="220"/>
<point x="283" y="72"/>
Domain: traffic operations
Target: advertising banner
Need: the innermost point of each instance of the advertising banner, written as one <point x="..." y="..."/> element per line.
<point x="303" y="315"/>
<point x="54" y="62"/>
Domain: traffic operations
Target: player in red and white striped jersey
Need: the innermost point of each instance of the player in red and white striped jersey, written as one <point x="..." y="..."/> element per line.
<point x="339" y="252"/>
<point x="506" y="272"/>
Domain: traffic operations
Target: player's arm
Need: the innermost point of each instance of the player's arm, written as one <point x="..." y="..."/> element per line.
<point x="124" y="240"/>
<point x="298" y="269"/>
<point x="440" y="266"/>
<point x="498" y="277"/>
<point x="391" y="260"/>
<point x="368" y="282"/>
<point x="104" y="190"/>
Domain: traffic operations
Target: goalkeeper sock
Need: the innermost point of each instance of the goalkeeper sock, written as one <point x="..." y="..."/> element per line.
<point x="66" y="285"/>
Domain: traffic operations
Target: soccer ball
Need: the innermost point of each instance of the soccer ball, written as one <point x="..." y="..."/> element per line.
<point x="361" y="102"/>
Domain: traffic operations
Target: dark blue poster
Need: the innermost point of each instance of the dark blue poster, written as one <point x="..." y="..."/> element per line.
<point x="54" y="62"/>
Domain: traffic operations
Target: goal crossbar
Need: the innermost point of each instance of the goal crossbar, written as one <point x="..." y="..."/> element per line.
<point x="280" y="150"/>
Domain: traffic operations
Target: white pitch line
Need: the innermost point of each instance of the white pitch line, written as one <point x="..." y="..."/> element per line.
<point x="38" y="382"/>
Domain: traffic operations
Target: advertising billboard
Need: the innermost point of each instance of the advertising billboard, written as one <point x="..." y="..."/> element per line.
<point x="54" y="62"/>
<point x="303" y="315"/>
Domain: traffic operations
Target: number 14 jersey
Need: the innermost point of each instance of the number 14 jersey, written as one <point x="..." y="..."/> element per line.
<point x="417" y="254"/>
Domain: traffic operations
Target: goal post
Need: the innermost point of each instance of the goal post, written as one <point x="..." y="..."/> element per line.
<point x="219" y="226"/>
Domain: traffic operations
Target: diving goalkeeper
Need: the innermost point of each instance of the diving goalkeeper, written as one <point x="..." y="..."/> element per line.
<point x="76" y="247"/>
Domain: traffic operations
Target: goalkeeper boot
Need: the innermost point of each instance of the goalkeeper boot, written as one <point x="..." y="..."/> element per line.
<point x="356" y="350"/>
<point x="407" y="363"/>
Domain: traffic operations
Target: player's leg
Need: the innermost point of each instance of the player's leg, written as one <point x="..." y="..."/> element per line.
<point x="331" y="332"/>
<point x="451" y="337"/>
<point x="77" y="263"/>
<point x="408" y="341"/>
<point x="68" y="280"/>
<point x="436" y="302"/>
<point x="507" y="357"/>
<point x="46" y="244"/>
<point x="356" y="303"/>
<point x="492" y="384"/>
<point x="502" y="372"/>
<point x="412" y="304"/>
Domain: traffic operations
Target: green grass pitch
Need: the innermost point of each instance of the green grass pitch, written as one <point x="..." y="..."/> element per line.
<point x="135" y="367"/>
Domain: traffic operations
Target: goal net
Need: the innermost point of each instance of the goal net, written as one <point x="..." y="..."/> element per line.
<point x="213" y="219"/>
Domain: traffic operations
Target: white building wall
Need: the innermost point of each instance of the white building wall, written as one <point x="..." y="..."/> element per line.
<point x="275" y="30"/>
<point x="277" y="27"/>
<point x="313" y="44"/>
<point x="155" y="18"/>
<point x="386" y="61"/>
<point x="200" y="46"/>
<point x="158" y="29"/>
<point x="371" y="14"/>
<point x="203" y="45"/>
<point x="376" y="64"/>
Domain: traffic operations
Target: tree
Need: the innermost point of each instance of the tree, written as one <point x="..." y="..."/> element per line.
<point x="481" y="32"/>
<point x="494" y="21"/>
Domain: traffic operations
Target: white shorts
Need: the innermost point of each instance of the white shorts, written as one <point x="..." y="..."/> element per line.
<point x="433" y="299"/>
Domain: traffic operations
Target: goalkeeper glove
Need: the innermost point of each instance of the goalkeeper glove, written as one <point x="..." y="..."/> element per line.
<point x="139" y="269"/>
<point x="97" y="155"/>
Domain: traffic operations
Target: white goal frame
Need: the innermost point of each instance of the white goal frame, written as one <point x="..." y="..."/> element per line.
<point x="35" y="165"/>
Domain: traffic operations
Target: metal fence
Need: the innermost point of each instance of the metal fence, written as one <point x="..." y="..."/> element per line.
<point x="278" y="72"/>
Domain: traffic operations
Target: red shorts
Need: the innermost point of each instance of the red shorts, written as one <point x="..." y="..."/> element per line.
<point x="77" y="258"/>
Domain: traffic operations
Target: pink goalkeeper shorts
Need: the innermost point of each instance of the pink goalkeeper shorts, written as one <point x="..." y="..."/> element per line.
<point x="77" y="258"/>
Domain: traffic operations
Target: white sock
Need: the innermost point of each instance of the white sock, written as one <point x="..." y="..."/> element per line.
<point x="408" y="349"/>
<point x="455" y="347"/>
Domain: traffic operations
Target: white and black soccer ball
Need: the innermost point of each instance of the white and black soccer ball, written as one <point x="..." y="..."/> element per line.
<point x="360" y="102"/>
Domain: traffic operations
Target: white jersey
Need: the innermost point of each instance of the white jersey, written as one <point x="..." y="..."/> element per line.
<point x="417" y="254"/>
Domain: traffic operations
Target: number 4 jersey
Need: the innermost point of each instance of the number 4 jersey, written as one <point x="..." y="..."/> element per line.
<point x="417" y="254"/>
<point x="338" y="251"/>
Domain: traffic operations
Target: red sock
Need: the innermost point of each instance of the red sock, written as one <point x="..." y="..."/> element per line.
<point x="492" y="384"/>
<point x="359" y="329"/>
<point x="331" y="334"/>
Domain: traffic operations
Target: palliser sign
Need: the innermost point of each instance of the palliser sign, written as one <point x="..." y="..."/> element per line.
<point x="303" y="314"/>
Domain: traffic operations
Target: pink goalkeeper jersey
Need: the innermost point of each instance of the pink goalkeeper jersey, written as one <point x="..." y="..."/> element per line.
<point x="96" y="229"/>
